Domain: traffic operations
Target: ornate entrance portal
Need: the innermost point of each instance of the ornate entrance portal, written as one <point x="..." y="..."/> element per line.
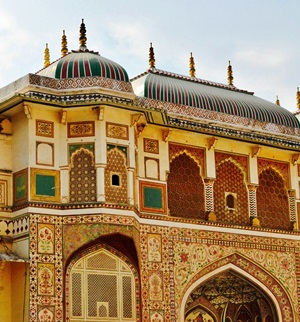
<point x="229" y="297"/>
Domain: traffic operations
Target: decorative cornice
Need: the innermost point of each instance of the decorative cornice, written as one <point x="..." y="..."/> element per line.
<point x="234" y="133"/>
<point x="76" y="98"/>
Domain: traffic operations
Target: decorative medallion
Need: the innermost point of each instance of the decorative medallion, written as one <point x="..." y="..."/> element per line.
<point x="154" y="247"/>
<point x="118" y="131"/>
<point x="151" y="146"/>
<point x="46" y="279"/>
<point x="81" y="129"/>
<point x="45" y="239"/>
<point x="44" y="128"/>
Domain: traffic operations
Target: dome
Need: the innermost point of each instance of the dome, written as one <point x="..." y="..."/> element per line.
<point x="84" y="64"/>
<point x="189" y="91"/>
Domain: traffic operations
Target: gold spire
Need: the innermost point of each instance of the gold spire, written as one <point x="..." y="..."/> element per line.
<point x="230" y="75"/>
<point x="46" y="56"/>
<point x="298" y="98"/>
<point x="64" y="44"/>
<point x="151" y="56"/>
<point x="277" y="101"/>
<point x="82" y="37"/>
<point x="192" y="66"/>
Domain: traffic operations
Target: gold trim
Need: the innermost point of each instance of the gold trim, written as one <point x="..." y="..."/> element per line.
<point x="37" y="197"/>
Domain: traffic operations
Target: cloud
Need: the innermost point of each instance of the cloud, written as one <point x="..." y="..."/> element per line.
<point x="264" y="57"/>
<point x="17" y="44"/>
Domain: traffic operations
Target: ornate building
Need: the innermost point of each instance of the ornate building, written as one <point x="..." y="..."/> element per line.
<point x="160" y="198"/>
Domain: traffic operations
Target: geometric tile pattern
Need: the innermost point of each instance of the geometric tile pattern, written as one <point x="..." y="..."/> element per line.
<point x="82" y="177"/>
<point x="80" y="82"/>
<point x="45" y="128"/>
<point x="292" y="203"/>
<point x="185" y="188"/>
<point x="282" y="168"/>
<point x="230" y="179"/>
<point x="116" y="165"/>
<point x="209" y="195"/>
<point x="195" y="153"/>
<point x="15" y="227"/>
<point x="272" y="200"/>
<point x="252" y="201"/>
<point x="240" y="160"/>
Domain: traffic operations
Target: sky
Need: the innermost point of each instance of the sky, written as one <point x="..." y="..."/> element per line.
<point x="259" y="37"/>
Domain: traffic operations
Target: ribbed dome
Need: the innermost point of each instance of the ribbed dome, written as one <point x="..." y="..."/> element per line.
<point x="163" y="86"/>
<point x="84" y="64"/>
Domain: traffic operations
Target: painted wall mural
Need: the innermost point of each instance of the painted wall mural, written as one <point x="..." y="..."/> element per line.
<point x="171" y="261"/>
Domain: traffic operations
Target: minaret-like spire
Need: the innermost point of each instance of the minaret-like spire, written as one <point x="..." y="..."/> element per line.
<point x="298" y="98"/>
<point x="151" y="56"/>
<point x="277" y="101"/>
<point x="230" y="75"/>
<point x="192" y="66"/>
<point x="64" y="44"/>
<point x="46" y="56"/>
<point x="82" y="37"/>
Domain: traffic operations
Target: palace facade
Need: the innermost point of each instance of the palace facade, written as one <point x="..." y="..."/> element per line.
<point x="159" y="198"/>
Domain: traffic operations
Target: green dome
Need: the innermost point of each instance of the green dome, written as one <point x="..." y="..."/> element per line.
<point x="84" y="64"/>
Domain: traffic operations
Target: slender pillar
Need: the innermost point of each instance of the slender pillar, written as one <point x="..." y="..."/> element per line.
<point x="100" y="182"/>
<point x="131" y="186"/>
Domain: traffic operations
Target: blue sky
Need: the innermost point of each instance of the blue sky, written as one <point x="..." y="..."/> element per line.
<point x="260" y="38"/>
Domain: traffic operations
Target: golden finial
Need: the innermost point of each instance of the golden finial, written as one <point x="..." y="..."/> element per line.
<point x="230" y="75"/>
<point x="64" y="44"/>
<point x="46" y="56"/>
<point x="82" y="38"/>
<point x="298" y="98"/>
<point x="151" y="56"/>
<point x="277" y="101"/>
<point x="192" y="66"/>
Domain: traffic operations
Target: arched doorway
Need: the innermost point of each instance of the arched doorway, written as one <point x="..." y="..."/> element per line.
<point x="229" y="297"/>
<point x="101" y="285"/>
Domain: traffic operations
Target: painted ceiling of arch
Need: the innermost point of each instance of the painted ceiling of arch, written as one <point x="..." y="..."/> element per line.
<point x="226" y="288"/>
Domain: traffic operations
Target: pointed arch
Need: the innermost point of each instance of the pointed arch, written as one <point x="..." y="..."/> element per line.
<point x="256" y="275"/>
<point x="273" y="209"/>
<point x="237" y="164"/>
<point x="116" y="177"/>
<point x="282" y="168"/>
<point x="230" y="185"/>
<point x="188" y="153"/>
<point x="185" y="187"/>
<point x="82" y="177"/>
<point x="102" y="282"/>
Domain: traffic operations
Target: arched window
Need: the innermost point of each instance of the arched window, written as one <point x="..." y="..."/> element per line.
<point x="101" y="288"/>
<point x="185" y="188"/>
<point x="82" y="177"/>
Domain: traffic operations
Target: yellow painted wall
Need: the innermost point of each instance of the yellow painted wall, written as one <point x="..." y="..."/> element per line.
<point x="5" y="292"/>
<point x="5" y="155"/>
<point x="20" y="142"/>
<point x="19" y="281"/>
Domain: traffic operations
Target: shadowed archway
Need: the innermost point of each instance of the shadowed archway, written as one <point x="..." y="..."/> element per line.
<point x="209" y="292"/>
